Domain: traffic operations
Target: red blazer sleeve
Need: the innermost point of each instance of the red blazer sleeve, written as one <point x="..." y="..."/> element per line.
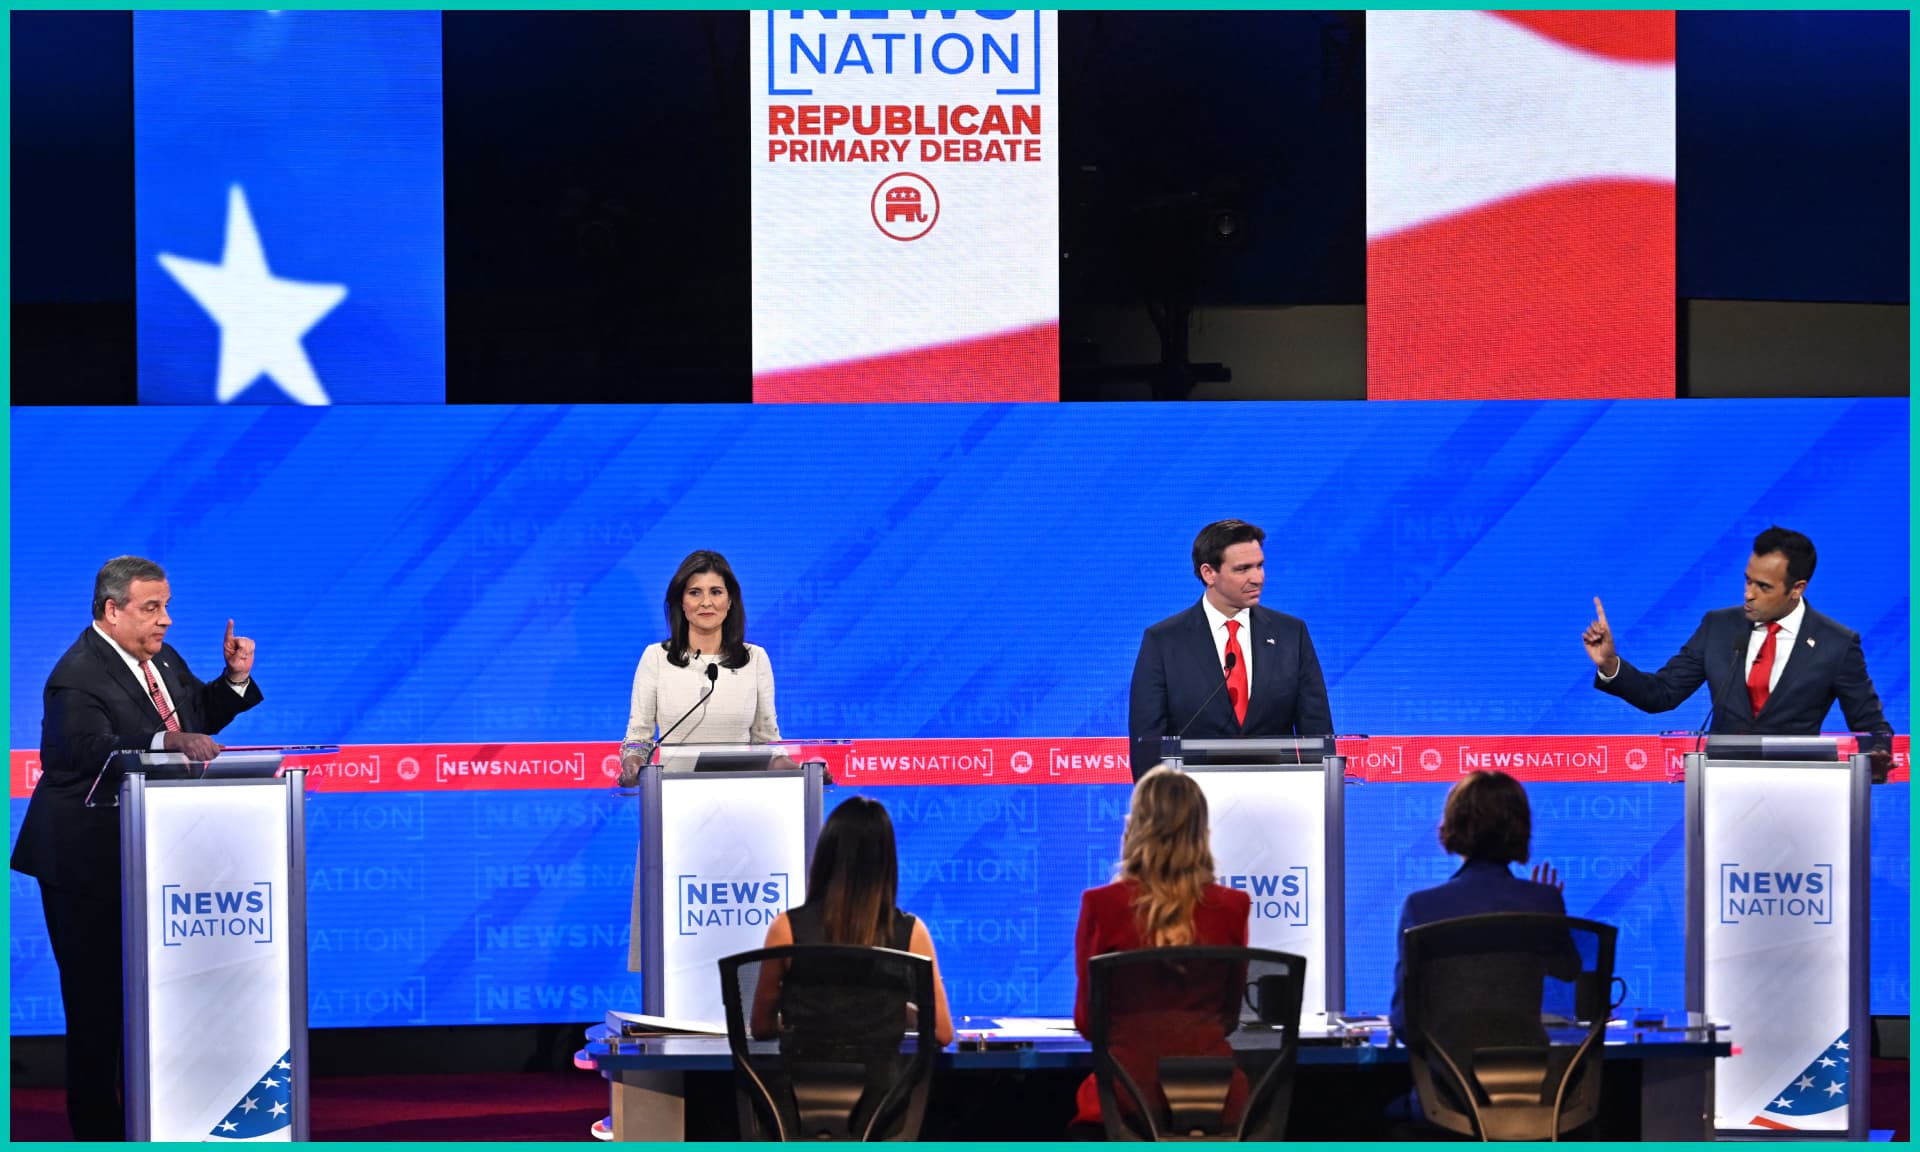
<point x="1083" y="951"/>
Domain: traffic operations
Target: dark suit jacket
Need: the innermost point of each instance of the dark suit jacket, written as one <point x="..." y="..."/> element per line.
<point x="1478" y="887"/>
<point x="1178" y="667"/>
<point x="93" y="706"/>
<point x="1827" y="665"/>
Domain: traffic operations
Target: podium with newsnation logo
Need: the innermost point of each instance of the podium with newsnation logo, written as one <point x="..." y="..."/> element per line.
<point x="1278" y="817"/>
<point x="1777" y="930"/>
<point x="726" y="834"/>
<point x="213" y="875"/>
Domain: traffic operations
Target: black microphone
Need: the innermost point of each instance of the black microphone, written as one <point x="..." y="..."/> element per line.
<point x="713" y="681"/>
<point x="1233" y="658"/>
<point x="1740" y="648"/>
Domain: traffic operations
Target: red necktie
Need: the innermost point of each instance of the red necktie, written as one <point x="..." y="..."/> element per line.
<point x="1237" y="675"/>
<point x="1760" y="676"/>
<point x="159" y="699"/>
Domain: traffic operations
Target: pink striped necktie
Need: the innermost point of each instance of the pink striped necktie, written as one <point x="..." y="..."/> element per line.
<point x="159" y="699"/>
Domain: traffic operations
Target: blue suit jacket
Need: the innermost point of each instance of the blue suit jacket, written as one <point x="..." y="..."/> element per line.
<point x="1178" y="668"/>
<point x="1478" y="887"/>
<point x="1827" y="665"/>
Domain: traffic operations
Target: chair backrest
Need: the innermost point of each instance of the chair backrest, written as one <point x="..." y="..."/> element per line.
<point x="846" y="1044"/>
<point x="1506" y="1014"/>
<point x="1195" y="1043"/>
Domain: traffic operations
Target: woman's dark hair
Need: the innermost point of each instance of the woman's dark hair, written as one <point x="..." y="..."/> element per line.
<point x="855" y="876"/>
<point x="733" y="630"/>
<point x="1487" y="818"/>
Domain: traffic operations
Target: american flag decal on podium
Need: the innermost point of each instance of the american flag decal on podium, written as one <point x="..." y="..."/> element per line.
<point x="264" y="1109"/>
<point x="1820" y="1088"/>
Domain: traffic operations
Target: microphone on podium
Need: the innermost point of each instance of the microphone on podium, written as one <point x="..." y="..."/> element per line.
<point x="1233" y="658"/>
<point x="713" y="681"/>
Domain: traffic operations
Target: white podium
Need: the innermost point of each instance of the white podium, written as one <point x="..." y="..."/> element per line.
<point x="213" y="906"/>
<point x="1278" y="821"/>
<point x="1777" y="881"/>
<point x="724" y="848"/>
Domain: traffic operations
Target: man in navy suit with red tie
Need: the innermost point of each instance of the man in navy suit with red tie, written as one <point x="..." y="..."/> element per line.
<point x="1226" y="666"/>
<point x="120" y="686"/>
<point x="1773" y="667"/>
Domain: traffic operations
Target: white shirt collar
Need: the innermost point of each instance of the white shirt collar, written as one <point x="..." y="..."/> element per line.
<point x="1790" y="623"/>
<point x="1216" y="618"/>
<point x="132" y="661"/>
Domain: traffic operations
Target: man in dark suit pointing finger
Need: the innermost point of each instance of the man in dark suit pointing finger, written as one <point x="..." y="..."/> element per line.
<point x="1260" y="661"/>
<point x="120" y="686"/>
<point x="1773" y="666"/>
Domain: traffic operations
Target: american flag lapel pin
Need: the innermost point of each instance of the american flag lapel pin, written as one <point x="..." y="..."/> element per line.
<point x="1809" y="641"/>
<point x="1269" y="639"/>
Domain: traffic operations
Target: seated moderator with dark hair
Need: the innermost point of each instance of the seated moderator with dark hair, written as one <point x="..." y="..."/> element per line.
<point x="1489" y="825"/>
<point x="851" y="888"/>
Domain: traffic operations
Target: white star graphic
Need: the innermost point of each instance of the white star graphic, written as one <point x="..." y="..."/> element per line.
<point x="269" y="1082"/>
<point x="279" y="1108"/>
<point x="1804" y="1083"/>
<point x="1828" y="1062"/>
<point x="1840" y="1044"/>
<point x="262" y="317"/>
<point x="1783" y="1102"/>
<point x="1834" y="1089"/>
<point x="228" y="1126"/>
<point x="249" y="1104"/>
<point x="283" y="1064"/>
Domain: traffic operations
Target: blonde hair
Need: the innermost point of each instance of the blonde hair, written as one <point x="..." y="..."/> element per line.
<point x="1165" y="852"/>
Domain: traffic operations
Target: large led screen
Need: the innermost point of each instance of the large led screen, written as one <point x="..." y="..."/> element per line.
<point x="905" y="174"/>
<point x="959" y="572"/>
<point x="1520" y="205"/>
<point x="287" y="208"/>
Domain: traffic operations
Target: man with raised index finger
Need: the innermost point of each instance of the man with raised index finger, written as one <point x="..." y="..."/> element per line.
<point x="1773" y="666"/>
<point x="120" y="686"/>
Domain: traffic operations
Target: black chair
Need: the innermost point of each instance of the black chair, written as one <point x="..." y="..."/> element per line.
<point x="1506" y="1015"/>
<point x="850" y="1053"/>
<point x="1195" y="1043"/>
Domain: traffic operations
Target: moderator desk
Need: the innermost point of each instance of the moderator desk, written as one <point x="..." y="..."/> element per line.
<point x="650" y="1076"/>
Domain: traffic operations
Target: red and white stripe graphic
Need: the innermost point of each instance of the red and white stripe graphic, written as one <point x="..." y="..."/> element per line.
<point x="1520" y="205"/>
<point x="1022" y="364"/>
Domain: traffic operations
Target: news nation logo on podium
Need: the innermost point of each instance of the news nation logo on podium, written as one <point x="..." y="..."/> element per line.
<point x="217" y="913"/>
<point x="1776" y="894"/>
<point x="731" y="901"/>
<point x="1284" y="897"/>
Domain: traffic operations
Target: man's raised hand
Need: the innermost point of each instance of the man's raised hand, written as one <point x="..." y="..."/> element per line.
<point x="1599" y="641"/>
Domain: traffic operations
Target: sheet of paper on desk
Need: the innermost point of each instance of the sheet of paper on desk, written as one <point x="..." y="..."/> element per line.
<point x="635" y="1024"/>
<point x="1039" y="1027"/>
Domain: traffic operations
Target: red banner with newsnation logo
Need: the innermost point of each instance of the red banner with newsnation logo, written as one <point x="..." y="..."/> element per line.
<point x="1008" y="760"/>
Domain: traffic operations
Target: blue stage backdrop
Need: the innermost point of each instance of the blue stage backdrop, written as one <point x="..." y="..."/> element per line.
<point x="287" y="207"/>
<point x="939" y="571"/>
